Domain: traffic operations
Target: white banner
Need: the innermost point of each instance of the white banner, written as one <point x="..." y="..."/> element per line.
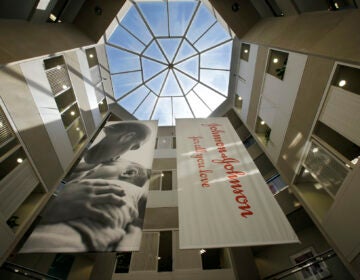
<point x="223" y="199"/>
<point x="101" y="205"/>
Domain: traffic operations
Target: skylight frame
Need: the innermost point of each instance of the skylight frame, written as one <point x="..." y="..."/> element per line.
<point x="155" y="39"/>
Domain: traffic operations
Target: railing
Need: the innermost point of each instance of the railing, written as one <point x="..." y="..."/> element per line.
<point x="302" y="265"/>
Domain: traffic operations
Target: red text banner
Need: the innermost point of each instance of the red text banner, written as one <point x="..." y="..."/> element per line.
<point x="223" y="199"/>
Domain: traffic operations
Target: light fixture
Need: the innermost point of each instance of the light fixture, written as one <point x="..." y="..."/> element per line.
<point x="64" y="86"/>
<point x="162" y="175"/>
<point x="306" y="171"/>
<point x="58" y="67"/>
<point x="336" y="5"/>
<point x="52" y="17"/>
<point x="91" y="55"/>
<point x="262" y="122"/>
<point x="347" y="165"/>
<point x="246" y="51"/>
<point x="16" y="270"/>
<point x="19" y="160"/>
<point x="72" y="113"/>
<point x="159" y="258"/>
<point x="318" y="186"/>
<point x="202" y="251"/>
<point x="101" y="103"/>
<point x="77" y="129"/>
<point x="275" y="60"/>
<point x="354" y="161"/>
<point x="342" y="83"/>
<point x="239" y="98"/>
<point x="1" y="125"/>
<point x="315" y="150"/>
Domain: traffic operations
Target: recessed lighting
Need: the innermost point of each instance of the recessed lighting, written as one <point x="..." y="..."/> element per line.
<point x="315" y="150"/>
<point x="19" y="160"/>
<point x="91" y="55"/>
<point x="246" y="51"/>
<point x="347" y="165"/>
<point x="64" y="86"/>
<point x="202" y="251"/>
<point x="275" y="60"/>
<point x="239" y="98"/>
<point x="262" y="122"/>
<point x="77" y="129"/>
<point x="72" y="113"/>
<point x="342" y="83"/>
<point x="101" y="103"/>
<point x="52" y="17"/>
<point x="1" y="125"/>
<point x="16" y="270"/>
<point x="159" y="258"/>
<point x="355" y="160"/>
<point x="306" y="171"/>
<point x="162" y="175"/>
<point x="58" y="67"/>
<point x="336" y="5"/>
<point x="318" y="186"/>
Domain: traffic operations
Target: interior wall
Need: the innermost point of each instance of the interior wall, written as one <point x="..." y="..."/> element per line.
<point x="325" y="33"/>
<point x="22" y="40"/>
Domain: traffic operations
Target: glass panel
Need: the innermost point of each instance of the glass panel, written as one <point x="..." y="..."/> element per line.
<point x="181" y="108"/>
<point x="217" y="79"/>
<point x="156" y="83"/>
<point x="153" y="11"/>
<point x="166" y="184"/>
<point x="347" y="78"/>
<point x="123" y="83"/>
<point x="121" y="61"/>
<point x="189" y="66"/>
<point x="197" y="106"/>
<point x="214" y="36"/>
<point x="11" y="162"/>
<point x="134" y="22"/>
<point x="325" y="169"/>
<point x="58" y="79"/>
<point x="163" y="112"/>
<point x="186" y="83"/>
<point x="122" y="262"/>
<point x="202" y="21"/>
<point x="171" y="87"/>
<point x="210" y="97"/>
<point x="91" y="57"/>
<point x="169" y="47"/>
<point x="5" y="129"/>
<point x="154" y="52"/>
<point x="124" y="39"/>
<point x="155" y="181"/>
<point x="145" y="109"/>
<point x="277" y="64"/>
<point x="65" y="99"/>
<point x="151" y="68"/>
<point x="131" y="101"/>
<point x="76" y="132"/>
<point x="70" y="115"/>
<point x="165" y="251"/>
<point x="180" y="14"/>
<point x="53" y="62"/>
<point x="185" y="51"/>
<point x="219" y="57"/>
<point x="245" y="51"/>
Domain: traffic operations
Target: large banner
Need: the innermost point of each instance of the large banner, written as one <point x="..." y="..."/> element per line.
<point x="101" y="205"/>
<point x="223" y="199"/>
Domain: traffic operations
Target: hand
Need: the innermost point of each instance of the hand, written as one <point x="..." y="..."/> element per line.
<point x="79" y="199"/>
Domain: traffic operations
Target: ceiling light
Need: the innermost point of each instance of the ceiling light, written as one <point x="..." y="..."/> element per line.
<point x="1" y="125"/>
<point x="246" y="51"/>
<point x="354" y="161"/>
<point x="19" y="160"/>
<point x="347" y="165"/>
<point x="239" y="98"/>
<point x="297" y="204"/>
<point x="336" y="5"/>
<point x="58" y="67"/>
<point x="64" y="86"/>
<point x="162" y="175"/>
<point x="72" y="113"/>
<point x="262" y="122"/>
<point x="101" y="103"/>
<point x="91" y="55"/>
<point x="77" y="129"/>
<point x="275" y="60"/>
<point x="16" y="270"/>
<point x="202" y="251"/>
<point x="159" y="258"/>
<point x="342" y="83"/>
<point x="315" y="150"/>
<point x="318" y="186"/>
<point x="306" y="171"/>
<point x="52" y="17"/>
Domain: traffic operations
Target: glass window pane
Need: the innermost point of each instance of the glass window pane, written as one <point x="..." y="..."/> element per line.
<point x="156" y="83"/>
<point x="163" y="112"/>
<point x="153" y="51"/>
<point x="121" y="61"/>
<point x="197" y="106"/>
<point x="214" y="36"/>
<point x="189" y="66"/>
<point x="131" y="101"/>
<point x="171" y="87"/>
<point x="123" y="83"/>
<point x="151" y="68"/>
<point x="217" y="79"/>
<point x="210" y="97"/>
<point x="181" y="108"/>
<point x="180" y="14"/>
<point x="65" y="99"/>
<point x="170" y="47"/>
<point x="186" y="82"/>
<point x="122" y="38"/>
<point x="219" y="57"/>
<point x="185" y="51"/>
<point x="202" y="21"/>
<point x="134" y="22"/>
<point x="145" y="109"/>
<point x="153" y="11"/>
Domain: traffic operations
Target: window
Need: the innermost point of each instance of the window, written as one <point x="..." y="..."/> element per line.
<point x="165" y="251"/>
<point x="96" y="79"/>
<point x="245" y="51"/>
<point x="59" y="80"/>
<point x="262" y="130"/>
<point x="277" y="64"/>
<point x="162" y="180"/>
<point x="347" y="78"/>
<point x="214" y="258"/>
<point x="122" y="262"/>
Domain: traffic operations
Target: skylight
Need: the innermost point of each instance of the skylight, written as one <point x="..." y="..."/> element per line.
<point x="169" y="60"/>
